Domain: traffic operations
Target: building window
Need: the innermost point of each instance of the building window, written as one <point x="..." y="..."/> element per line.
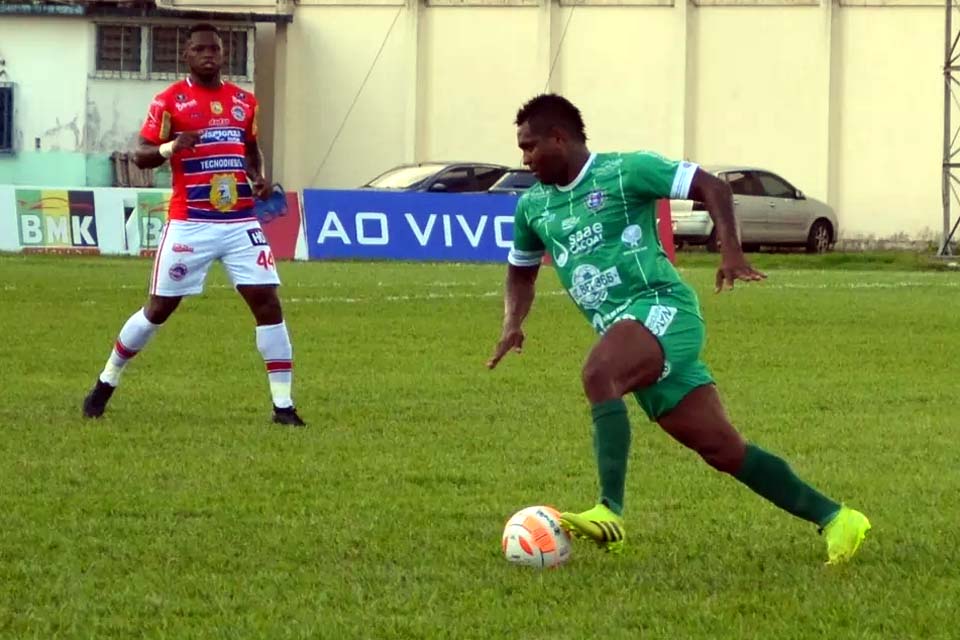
<point x="118" y="48"/>
<point x="6" y="117"/>
<point x="162" y="58"/>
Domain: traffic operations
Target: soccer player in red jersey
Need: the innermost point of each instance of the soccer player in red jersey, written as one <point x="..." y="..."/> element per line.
<point x="207" y="129"/>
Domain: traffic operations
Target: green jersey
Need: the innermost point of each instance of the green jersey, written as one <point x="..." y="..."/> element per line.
<point x="601" y="232"/>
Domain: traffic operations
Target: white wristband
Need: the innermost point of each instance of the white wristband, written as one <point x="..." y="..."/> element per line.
<point x="166" y="149"/>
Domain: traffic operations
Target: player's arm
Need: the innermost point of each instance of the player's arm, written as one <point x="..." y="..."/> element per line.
<point x="520" y="287"/>
<point x="255" y="168"/>
<point x="150" y="155"/>
<point x="717" y="197"/>
<point x="156" y="145"/>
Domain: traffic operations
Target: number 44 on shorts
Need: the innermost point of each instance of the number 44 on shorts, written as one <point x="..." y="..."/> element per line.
<point x="265" y="259"/>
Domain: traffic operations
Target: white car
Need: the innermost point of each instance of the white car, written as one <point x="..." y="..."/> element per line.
<point x="769" y="211"/>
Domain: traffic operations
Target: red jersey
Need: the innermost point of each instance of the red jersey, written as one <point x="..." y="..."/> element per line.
<point x="210" y="181"/>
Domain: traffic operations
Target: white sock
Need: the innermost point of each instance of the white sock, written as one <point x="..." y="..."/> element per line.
<point x="273" y="341"/>
<point x="133" y="338"/>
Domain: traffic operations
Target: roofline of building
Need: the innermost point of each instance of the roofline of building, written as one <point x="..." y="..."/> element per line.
<point x="100" y="10"/>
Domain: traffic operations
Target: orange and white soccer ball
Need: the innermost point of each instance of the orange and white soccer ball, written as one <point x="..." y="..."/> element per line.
<point x="534" y="537"/>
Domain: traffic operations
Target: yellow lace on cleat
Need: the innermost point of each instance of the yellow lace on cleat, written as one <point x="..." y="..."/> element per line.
<point x="844" y="534"/>
<point x="600" y="525"/>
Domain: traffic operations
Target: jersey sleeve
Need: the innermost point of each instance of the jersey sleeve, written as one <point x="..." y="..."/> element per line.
<point x="651" y="176"/>
<point x="528" y="249"/>
<point x="253" y="125"/>
<point x="158" y="125"/>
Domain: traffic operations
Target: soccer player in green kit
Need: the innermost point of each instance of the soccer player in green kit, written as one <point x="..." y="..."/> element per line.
<point x="595" y="213"/>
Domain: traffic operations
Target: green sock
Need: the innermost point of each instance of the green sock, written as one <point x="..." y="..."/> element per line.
<point x="611" y="442"/>
<point x="772" y="478"/>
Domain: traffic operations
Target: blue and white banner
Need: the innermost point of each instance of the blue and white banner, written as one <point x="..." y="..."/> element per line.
<point x="408" y="226"/>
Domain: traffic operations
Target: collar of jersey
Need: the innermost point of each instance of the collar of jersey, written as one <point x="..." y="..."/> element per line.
<point x="583" y="172"/>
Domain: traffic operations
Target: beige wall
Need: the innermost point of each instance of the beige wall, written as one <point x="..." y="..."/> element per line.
<point x="845" y="101"/>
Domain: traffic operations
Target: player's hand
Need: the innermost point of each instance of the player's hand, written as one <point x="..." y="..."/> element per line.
<point x="186" y="141"/>
<point x="511" y="339"/>
<point x="734" y="268"/>
<point x="261" y="188"/>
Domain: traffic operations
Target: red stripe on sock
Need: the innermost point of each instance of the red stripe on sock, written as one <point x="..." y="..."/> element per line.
<point x="123" y="351"/>
<point x="273" y="366"/>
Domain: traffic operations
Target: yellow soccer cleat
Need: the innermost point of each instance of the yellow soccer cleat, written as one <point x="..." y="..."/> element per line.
<point x="844" y="534"/>
<point x="600" y="524"/>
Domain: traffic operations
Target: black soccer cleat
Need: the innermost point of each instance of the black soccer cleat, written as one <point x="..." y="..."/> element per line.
<point x="287" y="416"/>
<point x="96" y="401"/>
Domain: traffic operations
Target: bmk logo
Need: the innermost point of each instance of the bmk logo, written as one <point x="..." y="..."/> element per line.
<point x="57" y="221"/>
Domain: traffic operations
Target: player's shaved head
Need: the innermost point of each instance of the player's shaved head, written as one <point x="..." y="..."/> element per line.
<point x="204" y="53"/>
<point x="551" y="111"/>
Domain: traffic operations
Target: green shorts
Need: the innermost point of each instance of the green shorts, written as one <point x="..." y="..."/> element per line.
<point x="681" y="335"/>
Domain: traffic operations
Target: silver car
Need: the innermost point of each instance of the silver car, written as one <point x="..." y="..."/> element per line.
<point x="769" y="211"/>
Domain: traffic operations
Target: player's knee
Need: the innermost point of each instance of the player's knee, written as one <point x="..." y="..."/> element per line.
<point x="723" y="451"/>
<point x="268" y="311"/>
<point x="159" y="308"/>
<point x="598" y="384"/>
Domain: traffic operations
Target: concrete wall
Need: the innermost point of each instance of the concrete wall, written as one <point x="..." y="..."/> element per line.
<point x="845" y="101"/>
<point x="67" y="121"/>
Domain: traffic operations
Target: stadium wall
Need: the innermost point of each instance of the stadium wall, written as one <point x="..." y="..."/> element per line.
<point x="68" y="119"/>
<point x="843" y="99"/>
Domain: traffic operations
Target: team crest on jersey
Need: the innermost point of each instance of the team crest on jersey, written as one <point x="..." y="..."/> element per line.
<point x="223" y="191"/>
<point x="595" y="200"/>
<point x="216" y="108"/>
<point x="238" y="114"/>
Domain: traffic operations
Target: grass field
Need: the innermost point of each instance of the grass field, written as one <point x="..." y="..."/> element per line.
<point x="185" y="514"/>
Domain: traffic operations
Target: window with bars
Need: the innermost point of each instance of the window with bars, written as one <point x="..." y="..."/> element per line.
<point x="116" y="47"/>
<point x="6" y="117"/>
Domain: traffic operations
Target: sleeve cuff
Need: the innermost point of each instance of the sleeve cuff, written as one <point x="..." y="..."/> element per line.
<point x="682" y="181"/>
<point x="524" y="258"/>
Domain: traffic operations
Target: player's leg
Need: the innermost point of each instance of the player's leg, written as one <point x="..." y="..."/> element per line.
<point x="627" y="357"/>
<point x="699" y="422"/>
<point x="250" y="264"/>
<point x="180" y="268"/>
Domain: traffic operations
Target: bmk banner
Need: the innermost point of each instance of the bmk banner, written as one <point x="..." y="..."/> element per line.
<point x="408" y="226"/>
<point x="57" y="221"/>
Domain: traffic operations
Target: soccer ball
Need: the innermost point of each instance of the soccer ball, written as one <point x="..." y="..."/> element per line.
<point x="533" y="537"/>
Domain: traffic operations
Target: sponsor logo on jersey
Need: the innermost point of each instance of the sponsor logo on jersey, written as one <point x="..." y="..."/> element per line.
<point x="223" y="191"/>
<point x="569" y="223"/>
<point x="632" y="236"/>
<point x="590" y="285"/>
<point x="239" y="114"/>
<point x="595" y="200"/>
<point x="216" y="108"/>
<point x="231" y="134"/>
<point x="257" y="237"/>
<point x="186" y="105"/>
<point x="586" y="239"/>
<point x="659" y="319"/>
<point x="217" y="122"/>
<point x="182" y="248"/>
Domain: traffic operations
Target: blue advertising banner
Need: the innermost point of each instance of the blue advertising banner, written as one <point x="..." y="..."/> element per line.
<point x="370" y="224"/>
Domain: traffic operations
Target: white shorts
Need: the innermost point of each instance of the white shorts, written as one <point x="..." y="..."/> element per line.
<point x="188" y="248"/>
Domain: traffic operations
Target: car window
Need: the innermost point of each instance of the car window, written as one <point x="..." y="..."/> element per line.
<point x="456" y="180"/>
<point x="516" y="180"/>
<point x="774" y="187"/>
<point x="486" y="177"/>
<point x="742" y="184"/>
<point x="405" y="177"/>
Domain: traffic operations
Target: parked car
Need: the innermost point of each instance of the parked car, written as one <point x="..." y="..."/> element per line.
<point x="442" y="177"/>
<point x="769" y="210"/>
<point x="514" y="182"/>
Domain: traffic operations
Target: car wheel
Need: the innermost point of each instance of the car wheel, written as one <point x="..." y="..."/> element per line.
<point x="819" y="240"/>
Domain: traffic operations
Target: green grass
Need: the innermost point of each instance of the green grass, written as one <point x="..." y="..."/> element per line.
<point x="185" y="514"/>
